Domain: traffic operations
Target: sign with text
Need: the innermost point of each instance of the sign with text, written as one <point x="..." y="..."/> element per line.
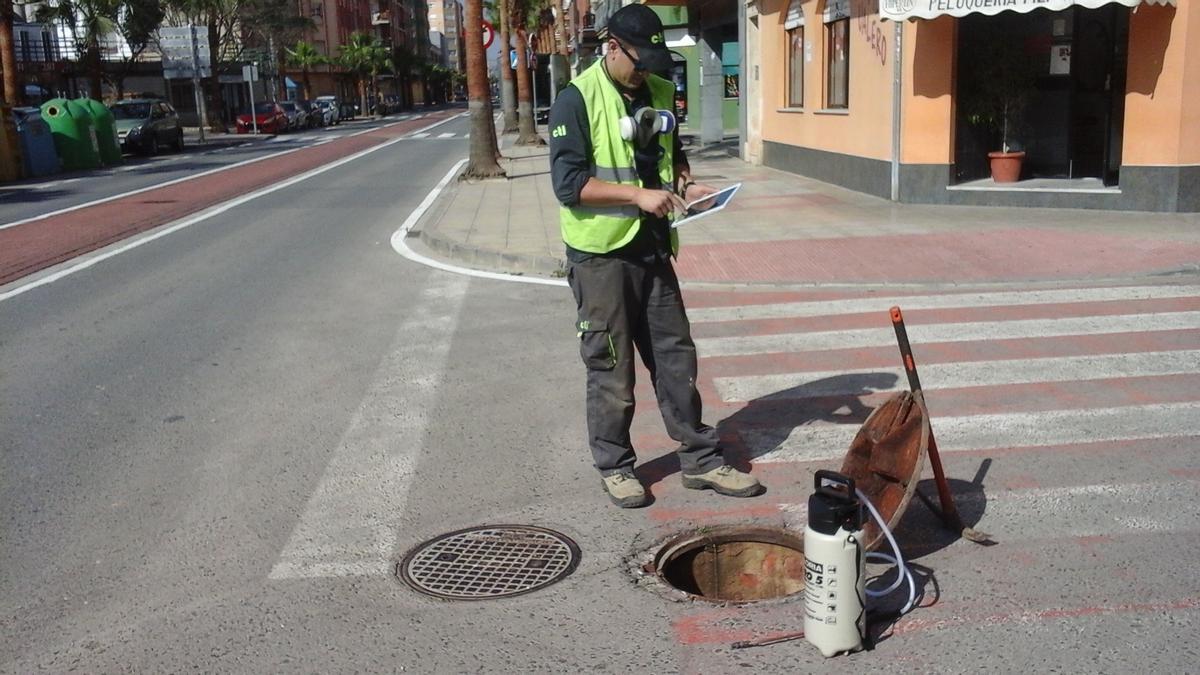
<point x="900" y="10"/>
<point x="177" y="51"/>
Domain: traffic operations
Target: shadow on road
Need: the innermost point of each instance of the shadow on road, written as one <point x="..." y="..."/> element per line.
<point x="765" y="423"/>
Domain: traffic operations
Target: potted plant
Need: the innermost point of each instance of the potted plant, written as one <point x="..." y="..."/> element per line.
<point x="997" y="80"/>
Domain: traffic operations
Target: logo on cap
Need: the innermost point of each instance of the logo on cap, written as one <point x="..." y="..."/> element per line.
<point x="656" y="39"/>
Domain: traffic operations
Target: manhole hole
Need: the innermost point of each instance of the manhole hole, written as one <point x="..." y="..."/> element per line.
<point x="734" y="563"/>
<point x="495" y="561"/>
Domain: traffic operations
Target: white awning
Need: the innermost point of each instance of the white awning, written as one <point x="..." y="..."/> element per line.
<point x="899" y="10"/>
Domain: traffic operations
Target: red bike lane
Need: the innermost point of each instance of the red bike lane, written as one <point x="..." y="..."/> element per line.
<point x="37" y="244"/>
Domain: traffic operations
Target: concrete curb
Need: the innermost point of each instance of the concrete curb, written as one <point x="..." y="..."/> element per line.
<point x="491" y="259"/>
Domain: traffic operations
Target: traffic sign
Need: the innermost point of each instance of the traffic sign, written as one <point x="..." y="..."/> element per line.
<point x="177" y="54"/>
<point x="489" y="34"/>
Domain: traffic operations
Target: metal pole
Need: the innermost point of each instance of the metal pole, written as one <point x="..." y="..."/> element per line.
<point x="202" y="116"/>
<point x="897" y="94"/>
<point x="533" y="81"/>
<point x="253" y="114"/>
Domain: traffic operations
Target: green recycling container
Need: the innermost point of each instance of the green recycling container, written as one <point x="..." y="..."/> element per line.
<point x="74" y="135"/>
<point x="106" y="130"/>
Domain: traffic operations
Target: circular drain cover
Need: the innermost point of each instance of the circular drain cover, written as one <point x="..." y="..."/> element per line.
<point x="495" y="561"/>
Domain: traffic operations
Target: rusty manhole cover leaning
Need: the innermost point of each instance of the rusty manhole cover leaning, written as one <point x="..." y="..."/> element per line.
<point x="492" y="561"/>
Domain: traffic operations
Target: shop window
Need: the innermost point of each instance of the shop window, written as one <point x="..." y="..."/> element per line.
<point x="793" y="26"/>
<point x="731" y="60"/>
<point x="837" y="54"/>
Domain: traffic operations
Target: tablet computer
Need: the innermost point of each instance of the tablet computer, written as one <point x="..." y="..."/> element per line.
<point x="707" y="206"/>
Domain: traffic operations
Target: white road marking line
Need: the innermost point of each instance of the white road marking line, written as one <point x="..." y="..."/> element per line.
<point x="827" y="441"/>
<point x="947" y="332"/>
<point x="448" y="134"/>
<point x="200" y="217"/>
<point x="963" y="374"/>
<point x="420" y="135"/>
<point x="400" y="246"/>
<point x="156" y="186"/>
<point x="1083" y="510"/>
<point x="350" y="524"/>
<point x="942" y="301"/>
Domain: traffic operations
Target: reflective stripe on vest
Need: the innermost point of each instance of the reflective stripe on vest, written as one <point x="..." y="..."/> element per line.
<point x="605" y="229"/>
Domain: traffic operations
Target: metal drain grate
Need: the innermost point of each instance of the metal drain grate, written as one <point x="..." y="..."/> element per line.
<point x="495" y="561"/>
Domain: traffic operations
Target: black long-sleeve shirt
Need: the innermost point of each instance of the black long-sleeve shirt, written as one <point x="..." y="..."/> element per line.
<point x="571" y="162"/>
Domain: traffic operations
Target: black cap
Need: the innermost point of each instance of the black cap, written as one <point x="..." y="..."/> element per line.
<point x="638" y="26"/>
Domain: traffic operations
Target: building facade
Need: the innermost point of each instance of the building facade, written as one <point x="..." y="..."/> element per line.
<point x="1096" y="99"/>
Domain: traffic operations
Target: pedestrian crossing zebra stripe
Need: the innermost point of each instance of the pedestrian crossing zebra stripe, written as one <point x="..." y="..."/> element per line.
<point x="448" y="134"/>
<point x="940" y="301"/>
<point x="948" y="332"/>
<point x="423" y="134"/>
<point x="827" y="441"/>
<point x="966" y="374"/>
<point x="1096" y="510"/>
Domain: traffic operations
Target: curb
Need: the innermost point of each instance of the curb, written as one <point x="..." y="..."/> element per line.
<point x="491" y="259"/>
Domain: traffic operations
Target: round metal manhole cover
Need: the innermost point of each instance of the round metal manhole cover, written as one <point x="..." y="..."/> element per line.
<point x="495" y="561"/>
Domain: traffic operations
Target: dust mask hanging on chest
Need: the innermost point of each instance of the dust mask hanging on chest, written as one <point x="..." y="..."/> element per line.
<point x="645" y="124"/>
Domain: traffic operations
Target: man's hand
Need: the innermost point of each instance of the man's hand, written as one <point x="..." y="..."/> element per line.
<point x="659" y="202"/>
<point x="697" y="191"/>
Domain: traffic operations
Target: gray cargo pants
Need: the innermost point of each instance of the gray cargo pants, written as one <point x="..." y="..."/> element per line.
<point x="622" y="304"/>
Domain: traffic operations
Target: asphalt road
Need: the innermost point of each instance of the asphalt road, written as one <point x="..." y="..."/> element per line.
<point x="215" y="447"/>
<point x="30" y="198"/>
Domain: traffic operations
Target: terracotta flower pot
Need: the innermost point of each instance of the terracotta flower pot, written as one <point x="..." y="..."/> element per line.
<point x="1006" y="166"/>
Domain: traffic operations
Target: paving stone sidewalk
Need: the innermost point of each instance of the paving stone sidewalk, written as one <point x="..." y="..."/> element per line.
<point x="786" y="229"/>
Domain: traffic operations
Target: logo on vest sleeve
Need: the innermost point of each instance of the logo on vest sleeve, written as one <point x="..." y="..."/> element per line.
<point x="559" y="131"/>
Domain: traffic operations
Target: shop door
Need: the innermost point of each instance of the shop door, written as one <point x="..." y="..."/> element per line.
<point x="1060" y="76"/>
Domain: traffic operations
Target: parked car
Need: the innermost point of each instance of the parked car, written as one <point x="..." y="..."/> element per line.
<point x="144" y="125"/>
<point x="270" y="117"/>
<point x="296" y="117"/>
<point x="331" y="107"/>
<point x="313" y="114"/>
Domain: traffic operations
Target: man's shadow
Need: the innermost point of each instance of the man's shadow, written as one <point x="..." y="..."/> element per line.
<point x="765" y="423"/>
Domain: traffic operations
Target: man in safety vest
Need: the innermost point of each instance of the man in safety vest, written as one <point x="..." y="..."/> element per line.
<point x="619" y="172"/>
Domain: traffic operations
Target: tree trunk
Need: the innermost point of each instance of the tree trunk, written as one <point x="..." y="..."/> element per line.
<point x="216" y="107"/>
<point x="508" y="97"/>
<point x="307" y="85"/>
<point x="483" y="161"/>
<point x="362" y="95"/>
<point x="95" y="70"/>
<point x="527" y="129"/>
<point x="8" y="58"/>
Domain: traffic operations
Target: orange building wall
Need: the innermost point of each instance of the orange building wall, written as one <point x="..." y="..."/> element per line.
<point x="865" y="130"/>
<point x="927" y="117"/>
<point x="1189" y="142"/>
<point x="1162" y="93"/>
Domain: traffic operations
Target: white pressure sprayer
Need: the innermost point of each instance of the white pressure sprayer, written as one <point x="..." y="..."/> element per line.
<point x="835" y="593"/>
<point x="835" y="612"/>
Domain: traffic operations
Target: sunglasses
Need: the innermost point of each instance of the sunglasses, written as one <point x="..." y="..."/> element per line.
<point x="638" y="66"/>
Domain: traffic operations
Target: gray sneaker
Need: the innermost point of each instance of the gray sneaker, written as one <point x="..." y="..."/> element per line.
<point x="624" y="490"/>
<point x="725" y="480"/>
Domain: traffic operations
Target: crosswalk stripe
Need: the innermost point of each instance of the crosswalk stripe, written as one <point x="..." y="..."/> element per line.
<point x="351" y="522"/>
<point x="950" y="332"/>
<point x="423" y="134"/>
<point x="448" y="134"/>
<point x="1095" y="510"/>
<point x="942" y="301"/>
<point x="967" y="374"/>
<point x="825" y="441"/>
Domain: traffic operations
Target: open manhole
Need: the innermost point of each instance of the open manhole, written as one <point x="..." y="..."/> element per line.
<point x="494" y="561"/>
<point x="734" y="563"/>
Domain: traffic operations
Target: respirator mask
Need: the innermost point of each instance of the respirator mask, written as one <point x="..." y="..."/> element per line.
<point x="645" y="124"/>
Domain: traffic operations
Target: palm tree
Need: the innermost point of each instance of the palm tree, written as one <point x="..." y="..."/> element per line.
<point x="365" y="57"/>
<point x="484" y="158"/>
<point x="305" y="57"/>
<point x="520" y="15"/>
<point x="88" y="21"/>
<point x="508" y="98"/>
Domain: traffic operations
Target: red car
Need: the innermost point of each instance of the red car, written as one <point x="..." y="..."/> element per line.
<point x="270" y="117"/>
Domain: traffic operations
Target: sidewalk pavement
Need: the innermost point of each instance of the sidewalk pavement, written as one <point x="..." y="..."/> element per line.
<point x="785" y="229"/>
